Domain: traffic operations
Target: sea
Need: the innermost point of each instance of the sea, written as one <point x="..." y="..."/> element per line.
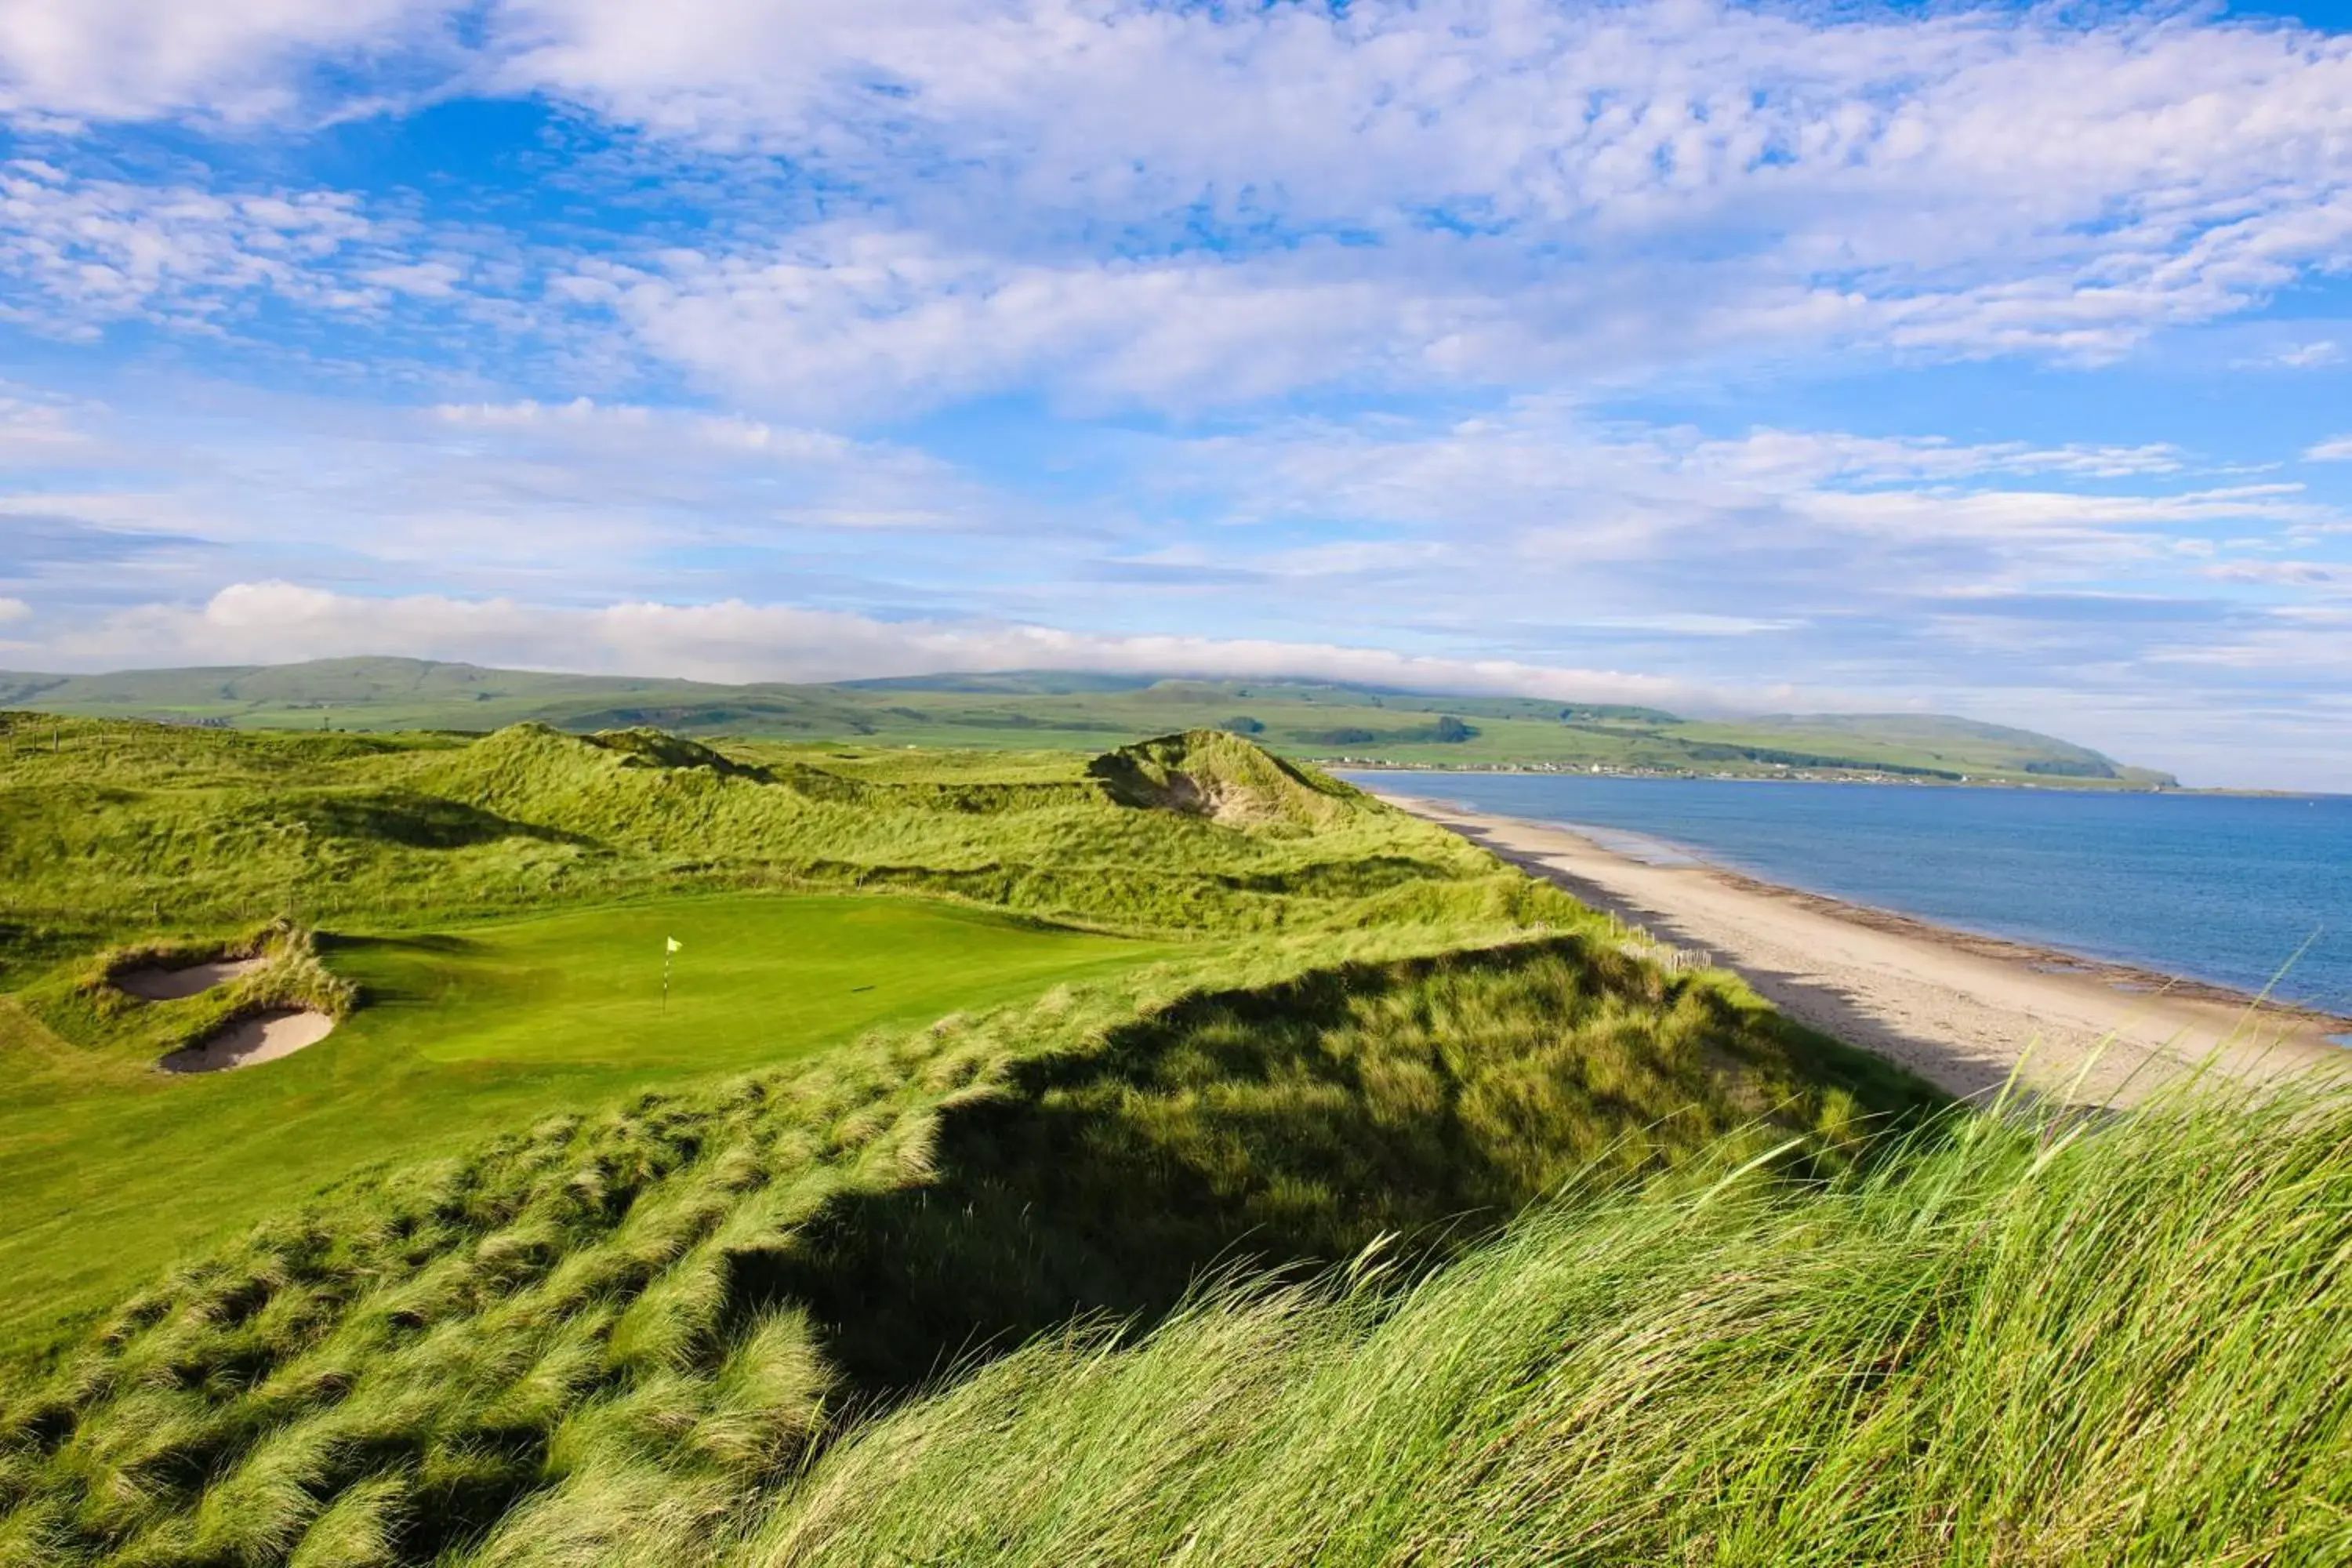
<point x="2249" y="891"/>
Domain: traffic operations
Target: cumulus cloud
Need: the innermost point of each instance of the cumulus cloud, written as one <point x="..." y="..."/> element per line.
<point x="824" y="220"/>
<point x="1173" y="204"/>
<point x="1188" y="206"/>
<point x="735" y="641"/>
<point x="1533" y="534"/>
<point x="236" y="60"/>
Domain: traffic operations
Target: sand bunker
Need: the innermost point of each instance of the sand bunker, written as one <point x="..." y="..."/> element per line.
<point x="155" y="984"/>
<point x="263" y="1037"/>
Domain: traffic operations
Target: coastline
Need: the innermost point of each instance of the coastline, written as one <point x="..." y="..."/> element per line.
<point x="1958" y="1008"/>
<point x="2054" y="785"/>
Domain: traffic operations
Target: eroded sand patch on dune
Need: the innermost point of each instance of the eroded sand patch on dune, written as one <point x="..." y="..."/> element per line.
<point x="263" y="1037"/>
<point x="153" y="982"/>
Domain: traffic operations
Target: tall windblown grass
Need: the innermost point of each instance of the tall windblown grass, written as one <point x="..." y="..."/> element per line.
<point x="134" y="828"/>
<point x="2028" y="1341"/>
<point x="613" y="1337"/>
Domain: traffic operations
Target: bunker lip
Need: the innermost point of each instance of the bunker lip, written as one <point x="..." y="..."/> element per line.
<point x="261" y="1037"/>
<point x="152" y="982"/>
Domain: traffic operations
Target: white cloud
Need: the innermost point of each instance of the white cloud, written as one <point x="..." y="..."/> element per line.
<point x="2201" y="714"/>
<point x="1185" y="206"/>
<point x="15" y="610"/>
<point x="2334" y="449"/>
<point x="38" y="430"/>
<point x="2285" y="573"/>
<point x="79" y="253"/>
<point x="735" y="641"/>
<point x="2309" y="356"/>
<point x="1606" y="489"/>
<point x="578" y="497"/>
<point x="239" y="60"/>
<point x="1490" y="193"/>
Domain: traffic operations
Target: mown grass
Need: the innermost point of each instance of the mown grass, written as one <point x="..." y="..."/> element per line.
<point x="1569" y="1261"/>
<point x="110" y="1167"/>
<point x="501" y="908"/>
<point x="134" y="830"/>
<point x="610" y="1337"/>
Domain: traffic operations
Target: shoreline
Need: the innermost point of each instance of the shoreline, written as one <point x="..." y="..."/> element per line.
<point x="1960" y="1008"/>
<point x="2056" y="786"/>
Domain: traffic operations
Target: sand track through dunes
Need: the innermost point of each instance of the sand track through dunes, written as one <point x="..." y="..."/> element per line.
<point x="261" y="1037"/>
<point x="153" y="982"/>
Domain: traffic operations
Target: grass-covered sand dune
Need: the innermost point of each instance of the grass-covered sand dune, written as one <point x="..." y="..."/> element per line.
<point x="491" y="918"/>
<point x="128" y="827"/>
<point x="1171" y="1156"/>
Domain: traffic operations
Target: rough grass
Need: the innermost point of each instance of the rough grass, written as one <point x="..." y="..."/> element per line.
<point x="86" y="1003"/>
<point x="109" y="1166"/>
<point x="414" y="856"/>
<point x="2025" y="1342"/>
<point x="130" y="831"/>
<point x="608" y="1338"/>
<point x="1571" y="1262"/>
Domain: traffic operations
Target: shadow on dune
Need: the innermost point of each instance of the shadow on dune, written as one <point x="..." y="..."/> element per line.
<point x="1426" y="1100"/>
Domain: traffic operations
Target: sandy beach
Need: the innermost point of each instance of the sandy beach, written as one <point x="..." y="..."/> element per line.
<point x="1958" y="1009"/>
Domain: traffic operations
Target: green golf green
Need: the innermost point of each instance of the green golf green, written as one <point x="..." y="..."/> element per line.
<point x="108" y="1167"/>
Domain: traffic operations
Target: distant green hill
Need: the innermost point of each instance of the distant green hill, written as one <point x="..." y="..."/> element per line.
<point x="930" y="1219"/>
<point x="1076" y="711"/>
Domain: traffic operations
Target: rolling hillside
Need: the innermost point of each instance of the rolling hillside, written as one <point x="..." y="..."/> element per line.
<point x="1166" y="1154"/>
<point x="1088" y="712"/>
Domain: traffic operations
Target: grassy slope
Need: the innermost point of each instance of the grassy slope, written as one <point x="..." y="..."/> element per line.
<point x="1352" y="1025"/>
<point x="129" y="826"/>
<point x="417" y="855"/>
<point x="2032" y="1345"/>
<point x="469" y="1030"/>
<point x="1081" y="713"/>
<point x="409" y="850"/>
<point x="608" y="1338"/>
<point x="730" y="1323"/>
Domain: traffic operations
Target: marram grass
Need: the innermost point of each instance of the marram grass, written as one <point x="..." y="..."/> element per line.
<point x="2025" y="1342"/>
<point x="1213" y="1262"/>
<point x="622" y="1337"/>
<point x="496" y="903"/>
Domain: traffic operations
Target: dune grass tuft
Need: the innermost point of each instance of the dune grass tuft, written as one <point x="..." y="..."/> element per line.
<point x="2025" y="1340"/>
<point x="616" y="1333"/>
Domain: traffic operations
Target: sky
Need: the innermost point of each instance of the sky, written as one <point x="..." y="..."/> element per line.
<point x="1986" y="360"/>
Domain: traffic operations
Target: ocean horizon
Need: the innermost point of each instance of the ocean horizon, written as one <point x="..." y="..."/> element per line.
<point x="2253" y="892"/>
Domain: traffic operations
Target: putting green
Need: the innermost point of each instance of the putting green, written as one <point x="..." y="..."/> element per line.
<point x="108" y="1170"/>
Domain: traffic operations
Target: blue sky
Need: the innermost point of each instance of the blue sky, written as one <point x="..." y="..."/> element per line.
<point x="1988" y="359"/>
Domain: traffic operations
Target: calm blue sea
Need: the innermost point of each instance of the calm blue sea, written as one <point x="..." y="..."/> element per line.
<point x="2221" y="887"/>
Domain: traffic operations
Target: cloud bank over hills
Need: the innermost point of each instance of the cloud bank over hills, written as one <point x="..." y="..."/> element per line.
<point x="1987" y="358"/>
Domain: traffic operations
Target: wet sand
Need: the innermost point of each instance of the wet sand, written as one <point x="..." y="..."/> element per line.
<point x="1958" y="1009"/>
